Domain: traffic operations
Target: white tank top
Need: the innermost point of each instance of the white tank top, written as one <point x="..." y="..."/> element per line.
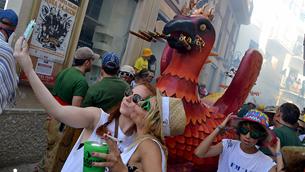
<point x="74" y="161"/>
<point x="129" y="151"/>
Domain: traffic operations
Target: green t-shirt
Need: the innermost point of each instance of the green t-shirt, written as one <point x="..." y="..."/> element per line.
<point x="70" y="82"/>
<point x="106" y="93"/>
<point x="288" y="136"/>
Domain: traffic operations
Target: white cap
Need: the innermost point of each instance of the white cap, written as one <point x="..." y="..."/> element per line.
<point x="129" y="69"/>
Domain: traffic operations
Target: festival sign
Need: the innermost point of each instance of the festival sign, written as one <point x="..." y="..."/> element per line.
<point x="52" y="33"/>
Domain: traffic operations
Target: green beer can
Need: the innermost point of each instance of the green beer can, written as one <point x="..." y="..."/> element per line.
<point x="89" y="147"/>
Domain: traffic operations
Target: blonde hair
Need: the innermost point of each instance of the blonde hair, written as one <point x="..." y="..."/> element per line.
<point x="152" y="121"/>
<point x="152" y="126"/>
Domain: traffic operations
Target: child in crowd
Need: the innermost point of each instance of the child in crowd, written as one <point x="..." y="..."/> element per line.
<point x="243" y="154"/>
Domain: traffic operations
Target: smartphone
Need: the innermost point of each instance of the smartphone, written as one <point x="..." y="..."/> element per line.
<point x="29" y="30"/>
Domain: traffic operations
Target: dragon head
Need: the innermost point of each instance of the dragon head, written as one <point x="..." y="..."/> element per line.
<point x="189" y="33"/>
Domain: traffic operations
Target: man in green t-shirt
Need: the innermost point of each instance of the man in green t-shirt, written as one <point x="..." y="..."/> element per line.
<point x="70" y="89"/>
<point x="287" y="117"/>
<point x="108" y="92"/>
<point x="285" y="120"/>
<point x="71" y="85"/>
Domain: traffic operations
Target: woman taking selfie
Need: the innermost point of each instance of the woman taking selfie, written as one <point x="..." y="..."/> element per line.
<point x="140" y="117"/>
<point x="94" y="120"/>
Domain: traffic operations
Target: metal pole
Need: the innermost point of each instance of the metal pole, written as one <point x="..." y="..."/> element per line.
<point x="304" y="55"/>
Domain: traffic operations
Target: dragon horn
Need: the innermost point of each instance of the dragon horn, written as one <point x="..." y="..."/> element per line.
<point x="147" y="35"/>
<point x="140" y="36"/>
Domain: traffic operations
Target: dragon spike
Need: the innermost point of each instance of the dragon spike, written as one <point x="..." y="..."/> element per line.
<point x="188" y="7"/>
<point x="213" y="54"/>
<point x="208" y="61"/>
<point x="204" y="7"/>
<point x="204" y="11"/>
<point x="191" y="9"/>
<point x="211" y="14"/>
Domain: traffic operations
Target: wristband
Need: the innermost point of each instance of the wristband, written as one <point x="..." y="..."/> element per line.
<point x="278" y="154"/>
<point x="220" y="128"/>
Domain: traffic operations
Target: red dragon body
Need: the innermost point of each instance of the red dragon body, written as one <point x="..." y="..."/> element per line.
<point x="190" y="41"/>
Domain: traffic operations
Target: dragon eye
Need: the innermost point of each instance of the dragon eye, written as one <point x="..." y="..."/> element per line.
<point x="203" y="27"/>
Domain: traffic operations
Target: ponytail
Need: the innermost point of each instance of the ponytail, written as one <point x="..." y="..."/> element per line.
<point x="114" y="113"/>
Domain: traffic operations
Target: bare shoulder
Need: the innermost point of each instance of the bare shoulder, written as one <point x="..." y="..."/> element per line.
<point x="150" y="147"/>
<point x="94" y="114"/>
<point x="149" y="155"/>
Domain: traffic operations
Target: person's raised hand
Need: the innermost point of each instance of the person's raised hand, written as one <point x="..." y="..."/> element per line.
<point x="226" y="121"/>
<point x="21" y="53"/>
<point x="275" y="149"/>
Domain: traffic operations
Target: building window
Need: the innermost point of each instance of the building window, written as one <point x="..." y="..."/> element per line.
<point x="2" y="4"/>
<point x="94" y="8"/>
<point x="106" y="28"/>
<point x="226" y="18"/>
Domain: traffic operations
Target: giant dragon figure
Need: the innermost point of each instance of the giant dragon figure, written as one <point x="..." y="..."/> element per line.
<point x="190" y="40"/>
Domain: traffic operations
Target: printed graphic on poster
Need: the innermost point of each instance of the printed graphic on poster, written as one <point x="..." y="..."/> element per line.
<point x="52" y="33"/>
<point x="44" y="67"/>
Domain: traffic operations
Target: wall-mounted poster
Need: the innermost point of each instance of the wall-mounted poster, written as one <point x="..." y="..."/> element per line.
<point x="52" y="33"/>
<point x="44" y="67"/>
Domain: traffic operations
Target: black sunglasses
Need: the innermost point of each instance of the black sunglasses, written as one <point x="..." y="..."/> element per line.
<point x="255" y="134"/>
<point x="136" y="98"/>
<point x="125" y="74"/>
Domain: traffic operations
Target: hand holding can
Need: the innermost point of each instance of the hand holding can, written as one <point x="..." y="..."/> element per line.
<point x="89" y="148"/>
<point x="113" y="159"/>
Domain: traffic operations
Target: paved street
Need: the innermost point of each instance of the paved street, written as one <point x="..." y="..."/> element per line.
<point x="20" y="168"/>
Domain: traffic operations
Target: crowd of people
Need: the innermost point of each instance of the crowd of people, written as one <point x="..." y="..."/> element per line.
<point x="125" y="105"/>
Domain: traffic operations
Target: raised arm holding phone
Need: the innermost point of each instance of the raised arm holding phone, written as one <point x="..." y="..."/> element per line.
<point x="140" y="114"/>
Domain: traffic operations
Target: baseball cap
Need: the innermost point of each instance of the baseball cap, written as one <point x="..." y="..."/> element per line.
<point x="127" y="68"/>
<point x="9" y="21"/>
<point x="260" y="118"/>
<point x="84" y="53"/>
<point x="9" y="17"/>
<point x="110" y="60"/>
